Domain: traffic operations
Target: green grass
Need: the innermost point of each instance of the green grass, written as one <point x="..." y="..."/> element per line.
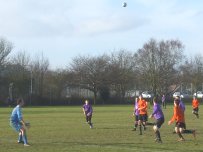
<point x="63" y="129"/>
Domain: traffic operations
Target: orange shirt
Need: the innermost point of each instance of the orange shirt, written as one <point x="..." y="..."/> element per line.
<point x="195" y="103"/>
<point x="142" y="107"/>
<point x="178" y="115"/>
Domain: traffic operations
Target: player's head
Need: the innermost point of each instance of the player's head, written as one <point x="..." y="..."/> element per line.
<point x="176" y="102"/>
<point x="177" y="97"/>
<point x="136" y="98"/>
<point x="140" y="96"/>
<point x="20" y="102"/>
<point x="86" y="102"/>
<point x="155" y="101"/>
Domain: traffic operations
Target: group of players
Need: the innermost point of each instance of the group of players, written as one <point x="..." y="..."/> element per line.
<point x="141" y="116"/>
<point x="140" y="113"/>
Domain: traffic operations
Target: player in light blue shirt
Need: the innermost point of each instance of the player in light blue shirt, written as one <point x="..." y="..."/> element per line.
<point x="17" y="122"/>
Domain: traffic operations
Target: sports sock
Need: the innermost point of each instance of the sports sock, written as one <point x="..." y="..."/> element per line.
<point x="144" y="127"/>
<point x="24" y="138"/>
<point x="20" y="138"/>
<point x="158" y="135"/>
<point x="179" y="134"/>
<point x="140" y="129"/>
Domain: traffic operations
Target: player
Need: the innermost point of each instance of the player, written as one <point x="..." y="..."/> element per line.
<point x="181" y="104"/>
<point x="17" y="122"/>
<point x="159" y="117"/>
<point x="178" y="116"/>
<point x="87" y="109"/>
<point x="195" y="106"/>
<point x="136" y="114"/>
<point x="142" y="108"/>
<point x="163" y="99"/>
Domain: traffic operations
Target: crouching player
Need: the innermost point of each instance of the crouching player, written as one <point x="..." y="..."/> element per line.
<point x="136" y="114"/>
<point x="87" y="109"/>
<point x="17" y="122"/>
<point x="195" y="106"/>
<point x="159" y="117"/>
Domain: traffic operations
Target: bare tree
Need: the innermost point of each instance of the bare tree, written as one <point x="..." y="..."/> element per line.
<point x="5" y="49"/>
<point x="39" y="68"/>
<point x="22" y="58"/>
<point x="121" y="72"/>
<point x="192" y="72"/>
<point x="90" y="72"/>
<point x="157" y="63"/>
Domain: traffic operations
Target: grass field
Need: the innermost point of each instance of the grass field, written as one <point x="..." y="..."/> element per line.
<point x="63" y="129"/>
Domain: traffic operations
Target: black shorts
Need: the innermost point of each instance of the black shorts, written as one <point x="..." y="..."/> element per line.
<point x="159" y="122"/>
<point x="142" y="117"/>
<point x="180" y="125"/>
<point x="136" y="118"/>
<point x="196" y="109"/>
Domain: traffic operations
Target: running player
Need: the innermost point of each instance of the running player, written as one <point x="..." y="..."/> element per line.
<point x="17" y="122"/>
<point x="136" y="114"/>
<point x="180" y="126"/>
<point x="159" y="117"/>
<point x="195" y="106"/>
<point x="142" y="108"/>
<point x="87" y="110"/>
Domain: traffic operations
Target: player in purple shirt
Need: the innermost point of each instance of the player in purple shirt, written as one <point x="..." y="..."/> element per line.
<point x="159" y="117"/>
<point x="163" y="99"/>
<point x="87" y="109"/>
<point x="136" y="113"/>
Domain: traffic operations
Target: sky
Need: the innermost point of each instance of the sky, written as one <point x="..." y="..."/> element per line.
<point x="64" y="29"/>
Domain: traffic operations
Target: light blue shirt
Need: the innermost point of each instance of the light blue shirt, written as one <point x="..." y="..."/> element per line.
<point x="16" y="115"/>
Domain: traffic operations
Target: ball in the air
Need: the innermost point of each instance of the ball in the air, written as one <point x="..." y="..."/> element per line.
<point x="124" y="4"/>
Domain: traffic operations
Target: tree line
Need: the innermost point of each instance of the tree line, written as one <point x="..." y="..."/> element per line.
<point x="158" y="66"/>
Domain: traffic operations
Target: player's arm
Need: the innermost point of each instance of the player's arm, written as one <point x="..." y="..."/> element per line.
<point x="154" y="112"/>
<point x="20" y="118"/>
<point x="83" y="109"/>
<point x="23" y="123"/>
<point x="173" y="118"/>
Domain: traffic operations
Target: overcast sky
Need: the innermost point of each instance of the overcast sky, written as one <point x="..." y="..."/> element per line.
<point x="63" y="29"/>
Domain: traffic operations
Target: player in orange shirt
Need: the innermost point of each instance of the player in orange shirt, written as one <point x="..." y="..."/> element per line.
<point x="179" y="117"/>
<point x="195" y="106"/>
<point x="142" y="118"/>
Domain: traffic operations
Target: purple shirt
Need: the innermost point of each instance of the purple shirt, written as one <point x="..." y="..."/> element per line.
<point x="157" y="112"/>
<point x="88" y="109"/>
<point x="182" y="106"/>
<point x="136" y="111"/>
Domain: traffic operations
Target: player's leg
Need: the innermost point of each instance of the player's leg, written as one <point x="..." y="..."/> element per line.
<point x="24" y="136"/>
<point x="195" y="112"/>
<point x="136" y="121"/>
<point x="178" y="131"/>
<point x="86" y="118"/>
<point x="140" y="123"/>
<point x="144" y="120"/>
<point x="189" y="131"/>
<point x="157" y="133"/>
<point x="20" y="138"/>
<point x="156" y="128"/>
<point x="90" y="121"/>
